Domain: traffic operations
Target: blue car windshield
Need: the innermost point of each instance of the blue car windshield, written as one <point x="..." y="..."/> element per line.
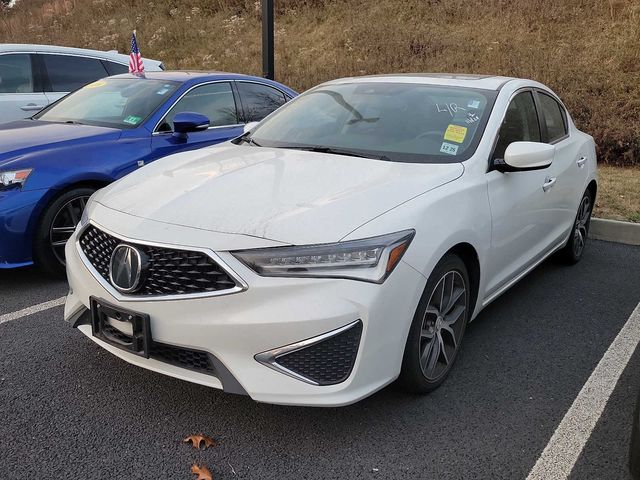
<point x="111" y="102"/>
<point x="403" y="122"/>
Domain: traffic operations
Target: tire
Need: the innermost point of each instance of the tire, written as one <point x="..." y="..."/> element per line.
<point x="57" y="223"/>
<point x="572" y="252"/>
<point x="436" y="332"/>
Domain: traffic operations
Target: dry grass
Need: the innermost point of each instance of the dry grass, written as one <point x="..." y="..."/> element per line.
<point x="619" y="193"/>
<point x="586" y="50"/>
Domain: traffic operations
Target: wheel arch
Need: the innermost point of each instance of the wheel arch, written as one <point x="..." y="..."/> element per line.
<point x="471" y="260"/>
<point x="54" y="193"/>
<point x="593" y="189"/>
<point x="95" y="183"/>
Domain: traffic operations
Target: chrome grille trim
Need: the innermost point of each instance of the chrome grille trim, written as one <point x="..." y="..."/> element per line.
<point x="240" y="286"/>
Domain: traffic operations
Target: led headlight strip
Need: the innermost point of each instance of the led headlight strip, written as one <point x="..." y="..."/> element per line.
<point x="369" y="259"/>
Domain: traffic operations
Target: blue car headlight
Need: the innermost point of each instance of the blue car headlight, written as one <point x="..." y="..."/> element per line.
<point x="14" y="178"/>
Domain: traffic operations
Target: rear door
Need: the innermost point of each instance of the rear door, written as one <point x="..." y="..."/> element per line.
<point x="66" y="73"/>
<point x="21" y="94"/>
<point x="259" y="100"/>
<point x="568" y="168"/>
<point x="217" y="102"/>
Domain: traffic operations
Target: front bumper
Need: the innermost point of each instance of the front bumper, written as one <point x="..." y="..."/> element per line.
<point x="271" y="313"/>
<point x="17" y="208"/>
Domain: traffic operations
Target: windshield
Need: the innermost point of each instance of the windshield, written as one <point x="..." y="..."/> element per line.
<point x="111" y="102"/>
<point x="403" y="122"/>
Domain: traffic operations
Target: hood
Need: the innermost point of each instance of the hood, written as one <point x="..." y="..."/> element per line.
<point x="290" y="196"/>
<point x="26" y="136"/>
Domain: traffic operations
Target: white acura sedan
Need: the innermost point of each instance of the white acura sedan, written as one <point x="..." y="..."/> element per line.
<point x="341" y="244"/>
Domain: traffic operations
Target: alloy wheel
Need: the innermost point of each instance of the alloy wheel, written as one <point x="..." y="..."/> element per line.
<point x="442" y="325"/>
<point x="581" y="226"/>
<point x="64" y="224"/>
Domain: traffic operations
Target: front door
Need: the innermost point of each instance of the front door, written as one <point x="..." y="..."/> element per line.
<point x="520" y="205"/>
<point x="214" y="100"/>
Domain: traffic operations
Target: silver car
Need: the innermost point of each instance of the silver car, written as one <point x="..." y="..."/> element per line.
<point x="33" y="76"/>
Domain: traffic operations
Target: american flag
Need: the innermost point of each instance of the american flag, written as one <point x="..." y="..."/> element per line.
<point x="135" y="59"/>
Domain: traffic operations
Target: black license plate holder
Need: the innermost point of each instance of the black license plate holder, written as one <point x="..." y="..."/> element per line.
<point x="137" y="343"/>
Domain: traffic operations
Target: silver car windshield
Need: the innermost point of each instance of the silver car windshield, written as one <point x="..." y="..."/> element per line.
<point x="404" y="122"/>
<point x="111" y="102"/>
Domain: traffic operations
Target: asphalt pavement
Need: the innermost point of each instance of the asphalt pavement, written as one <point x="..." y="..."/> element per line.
<point x="70" y="410"/>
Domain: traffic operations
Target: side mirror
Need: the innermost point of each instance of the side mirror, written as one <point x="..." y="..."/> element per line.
<point x="522" y="156"/>
<point x="186" y="122"/>
<point x="249" y="126"/>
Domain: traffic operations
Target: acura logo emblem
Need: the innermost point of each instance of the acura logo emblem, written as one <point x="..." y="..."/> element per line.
<point x="125" y="268"/>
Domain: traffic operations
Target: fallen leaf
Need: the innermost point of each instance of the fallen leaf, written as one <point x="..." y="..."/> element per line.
<point x="198" y="439"/>
<point x="202" y="471"/>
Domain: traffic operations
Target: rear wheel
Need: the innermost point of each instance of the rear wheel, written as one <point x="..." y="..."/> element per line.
<point x="437" y="328"/>
<point x="58" y="222"/>
<point x="574" y="249"/>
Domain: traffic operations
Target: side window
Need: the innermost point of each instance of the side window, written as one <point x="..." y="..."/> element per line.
<point x="68" y="73"/>
<point x="520" y="123"/>
<point x="214" y="100"/>
<point x="259" y="100"/>
<point x="15" y="73"/>
<point x="553" y="117"/>
<point x="114" y="68"/>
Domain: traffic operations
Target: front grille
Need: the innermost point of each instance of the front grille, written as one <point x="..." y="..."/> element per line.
<point x="195" y="360"/>
<point x="182" y="357"/>
<point x="327" y="362"/>
<point x="169" y="271"/>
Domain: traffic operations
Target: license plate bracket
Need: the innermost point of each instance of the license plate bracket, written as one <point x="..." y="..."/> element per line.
<point x="138" y="342"/>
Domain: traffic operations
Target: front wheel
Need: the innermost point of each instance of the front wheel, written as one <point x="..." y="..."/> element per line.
<point x="574" y="249"/>
<point x="57" y="224"/>
<point x="437" y="328"/>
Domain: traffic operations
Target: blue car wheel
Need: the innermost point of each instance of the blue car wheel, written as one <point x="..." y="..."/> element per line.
<point x="58" y="222"/>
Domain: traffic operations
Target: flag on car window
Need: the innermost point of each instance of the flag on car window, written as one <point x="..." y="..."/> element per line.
<point x="135" y="59"/>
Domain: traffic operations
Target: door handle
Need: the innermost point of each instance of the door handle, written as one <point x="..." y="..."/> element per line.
<point x="581" y="161"/>
<point x="548" y="183"/>
<point x="31" y="107"/>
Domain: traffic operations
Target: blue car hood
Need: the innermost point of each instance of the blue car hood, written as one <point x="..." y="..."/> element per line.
<point x="27" y="136"/>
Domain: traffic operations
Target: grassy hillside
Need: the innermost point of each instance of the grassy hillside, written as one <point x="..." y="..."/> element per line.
<point x="588" y="51"/>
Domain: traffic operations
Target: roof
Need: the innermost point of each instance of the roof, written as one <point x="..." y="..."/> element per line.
<point x="34" y="48"/>
<point x="181" y="75"/>
<point x="485" y="82"/>
<point x="186" y="76"/>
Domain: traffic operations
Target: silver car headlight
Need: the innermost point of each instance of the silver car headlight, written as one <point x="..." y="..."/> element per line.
<point x="369" y="259"/>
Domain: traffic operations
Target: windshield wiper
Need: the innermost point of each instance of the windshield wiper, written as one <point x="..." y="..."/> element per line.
<point x="337" y="151"/>
<point x="246" y="138"/>
<point x="73" y="122"/>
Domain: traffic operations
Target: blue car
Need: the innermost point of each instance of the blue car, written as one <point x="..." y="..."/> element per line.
<point x="51" y="164"/>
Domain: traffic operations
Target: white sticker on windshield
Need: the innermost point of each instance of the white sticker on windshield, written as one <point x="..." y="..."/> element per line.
<point x="449" y="148"/>
<point x="473" y="104"/>
<point x="162" y="91"/>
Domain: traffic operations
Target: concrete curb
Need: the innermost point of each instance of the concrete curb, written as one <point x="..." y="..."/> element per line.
<point x="615" y="231"/>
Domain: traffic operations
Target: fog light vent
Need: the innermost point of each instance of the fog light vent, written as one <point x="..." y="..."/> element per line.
<point x="324" y="360"/>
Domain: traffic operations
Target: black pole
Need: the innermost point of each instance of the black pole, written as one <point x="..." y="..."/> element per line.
<point x="268" y="67"/>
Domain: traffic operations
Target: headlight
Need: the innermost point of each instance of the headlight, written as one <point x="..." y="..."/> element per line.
<point x="370" y="259"/>
<point x="14" y="177"/>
